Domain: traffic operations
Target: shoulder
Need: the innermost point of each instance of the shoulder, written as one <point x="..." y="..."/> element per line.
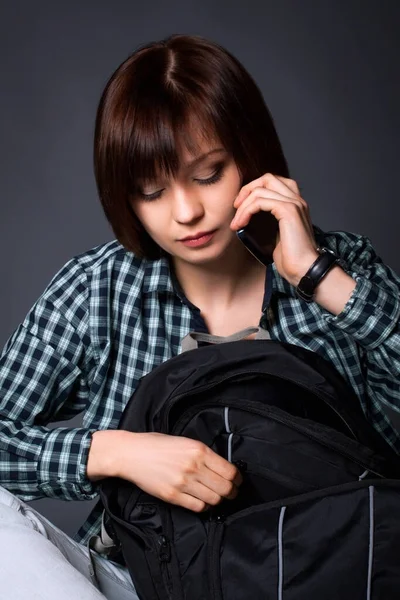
<point x="70" y="286"/>
<point x="108" y="266"/>
<point x="87" y="279"/>
<point x="103" y="256"/>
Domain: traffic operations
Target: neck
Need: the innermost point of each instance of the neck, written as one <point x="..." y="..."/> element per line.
<point x="223" y="282"/>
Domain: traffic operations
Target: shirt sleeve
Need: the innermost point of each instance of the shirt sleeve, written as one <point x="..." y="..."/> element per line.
<point x="43" y="379"/>
<point x="371" y="316"/>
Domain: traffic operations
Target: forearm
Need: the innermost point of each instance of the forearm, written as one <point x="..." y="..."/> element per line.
<point x="334" y="290"/>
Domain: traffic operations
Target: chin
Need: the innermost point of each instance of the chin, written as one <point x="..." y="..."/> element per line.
<point x="207" y="256"/>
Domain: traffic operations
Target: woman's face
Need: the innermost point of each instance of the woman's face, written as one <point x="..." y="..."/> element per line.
<point x="189" y="216"/>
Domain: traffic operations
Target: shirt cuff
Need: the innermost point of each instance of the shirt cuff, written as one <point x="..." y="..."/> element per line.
<point x="61" y="468"/>
<point x="370" y="314"/>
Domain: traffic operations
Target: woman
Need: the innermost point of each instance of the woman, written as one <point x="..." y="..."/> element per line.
<point x="185" y="153"/>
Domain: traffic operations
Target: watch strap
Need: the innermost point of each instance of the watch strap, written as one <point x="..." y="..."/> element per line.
<point x="320" y="267"/>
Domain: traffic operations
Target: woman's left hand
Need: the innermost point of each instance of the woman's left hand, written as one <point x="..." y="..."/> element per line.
<point x="296" y="248"/>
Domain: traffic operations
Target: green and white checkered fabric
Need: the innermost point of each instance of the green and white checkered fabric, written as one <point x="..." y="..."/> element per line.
<point x="107" y="318"/>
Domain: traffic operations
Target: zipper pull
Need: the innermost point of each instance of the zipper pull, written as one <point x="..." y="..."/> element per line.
<point x="241" y="465"/>
<point x="164" y="549"/>
<point x="215" y="515"/>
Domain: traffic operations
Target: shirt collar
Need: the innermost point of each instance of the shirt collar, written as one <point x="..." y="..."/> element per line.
<point x="159" y="277"/>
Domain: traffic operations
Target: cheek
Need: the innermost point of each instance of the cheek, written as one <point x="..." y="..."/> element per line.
<point x="235" y="181"/>
<point x="155" y="222"/>
<point x="147" y="216"/>
<point x="231" y="189"/>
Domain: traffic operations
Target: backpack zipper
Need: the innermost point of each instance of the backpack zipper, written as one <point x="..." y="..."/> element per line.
<point x="209" y="386"/>
<point x="215" y="533"/>
<point x="285" y="419"/>
<point x="270" y="475"/>
<point x="164" y="556"/>
<point x="168" y="555"/>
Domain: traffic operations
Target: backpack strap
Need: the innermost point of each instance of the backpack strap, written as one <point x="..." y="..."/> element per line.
<point x="190" y="341"/>
<point x="103" y="543"/>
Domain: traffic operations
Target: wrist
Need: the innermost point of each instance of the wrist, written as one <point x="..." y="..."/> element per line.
<point x="306" y="264"/>
<point x="323" y="264"/>
<point x="105" y="453"/>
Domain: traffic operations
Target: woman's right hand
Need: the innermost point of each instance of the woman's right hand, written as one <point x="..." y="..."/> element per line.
<point x="176" y="469"/>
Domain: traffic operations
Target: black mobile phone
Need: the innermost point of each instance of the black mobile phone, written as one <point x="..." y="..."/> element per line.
<point x="259" y="236"/>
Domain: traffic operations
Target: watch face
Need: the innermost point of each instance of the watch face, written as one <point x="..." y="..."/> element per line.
<point x="307" y="285"/>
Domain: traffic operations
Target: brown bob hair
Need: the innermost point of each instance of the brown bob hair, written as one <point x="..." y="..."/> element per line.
<point x="152" y="101"/>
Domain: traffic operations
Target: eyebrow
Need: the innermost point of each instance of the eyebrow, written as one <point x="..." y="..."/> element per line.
<point x="199" y="159"/>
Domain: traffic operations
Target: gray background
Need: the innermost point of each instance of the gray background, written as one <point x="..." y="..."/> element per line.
<point x="328" y="71"/>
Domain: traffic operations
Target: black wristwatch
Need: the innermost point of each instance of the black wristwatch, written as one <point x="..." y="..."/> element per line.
<point x="320" y="267"/>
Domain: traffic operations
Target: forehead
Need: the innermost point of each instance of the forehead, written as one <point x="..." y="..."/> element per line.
<point x="194" y="141"/>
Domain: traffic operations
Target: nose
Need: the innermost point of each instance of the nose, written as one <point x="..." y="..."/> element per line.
<point x="186" y="206"/>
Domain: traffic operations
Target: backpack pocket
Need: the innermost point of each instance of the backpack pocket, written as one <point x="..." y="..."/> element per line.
<point x="278" y="456"/>
<point x="145" y="534"/>
<point x="318" y="545"/>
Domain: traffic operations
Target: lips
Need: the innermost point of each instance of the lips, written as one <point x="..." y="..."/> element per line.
<point x="197" y="236"/>
<point x="198" y="240"/>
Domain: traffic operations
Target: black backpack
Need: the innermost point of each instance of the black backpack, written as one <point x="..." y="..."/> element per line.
<point x="318" y="514"/>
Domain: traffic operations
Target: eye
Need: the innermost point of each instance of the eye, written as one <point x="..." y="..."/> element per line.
<point x="149" y="197"/>
<point x="214" y="178"/>
<point x="217" y="175"/>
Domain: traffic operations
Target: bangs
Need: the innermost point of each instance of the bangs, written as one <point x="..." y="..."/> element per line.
<point x="159" y="135"/>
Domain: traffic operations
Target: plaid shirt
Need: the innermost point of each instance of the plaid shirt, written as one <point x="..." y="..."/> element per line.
<point x="108" y="318"/>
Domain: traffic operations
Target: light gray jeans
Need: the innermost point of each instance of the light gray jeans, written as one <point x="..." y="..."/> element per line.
<point x="38" y="561"/>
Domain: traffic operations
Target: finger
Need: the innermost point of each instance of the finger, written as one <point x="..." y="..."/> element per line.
<point x="248" y="188"/>
<point x="283" y="185"/>
<point x="221" y="486"/>
<point x="219" y="465"/>
<point x="265" y="200"/>
<point x="190" y="502"/>
<point x="238" y="479"/>
<point x="262" y="192"/>
<point x="289" y="211"/>
<point x="290" y="183"/>
<point x="286" y="186"/>
<point x="259" y="205"/>
<point x="202" y="492"/>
